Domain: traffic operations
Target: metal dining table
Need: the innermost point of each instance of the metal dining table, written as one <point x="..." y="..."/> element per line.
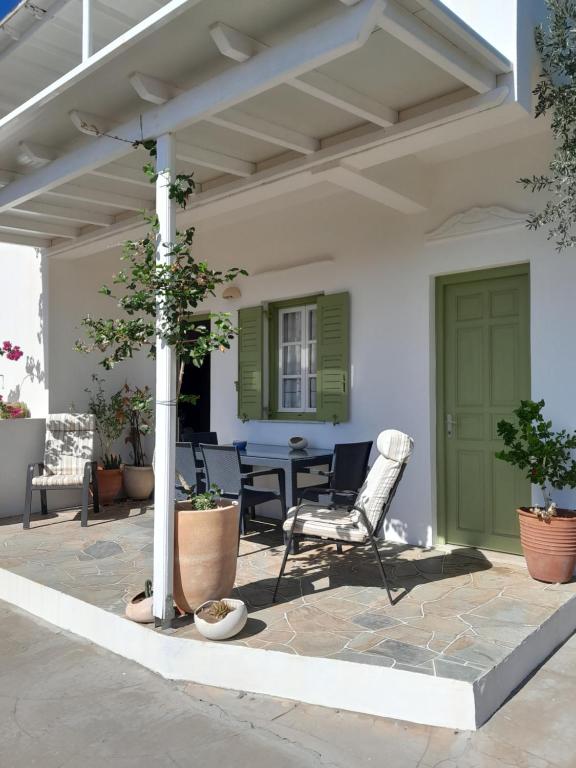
<point x="290" y="460"/>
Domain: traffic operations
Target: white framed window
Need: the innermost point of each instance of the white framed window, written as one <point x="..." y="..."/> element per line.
<point x="297" y="359"/>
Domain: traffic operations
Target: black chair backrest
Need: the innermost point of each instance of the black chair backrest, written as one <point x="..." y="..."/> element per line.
<point x="388" y="503"/>
<point x="185" y="468"/>
<point x="222" y="468"/>
<point x="350" y="465"/>
<point x="196" y="439"/>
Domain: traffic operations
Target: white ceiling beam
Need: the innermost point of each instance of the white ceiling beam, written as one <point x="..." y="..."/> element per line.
<point x="291" y="58"/>
<point x="97" y="197"/>
<point x="33" y="242"/>
<point x="258" y="128"/>
<point x="87" y="123"/>
<point x="151" y="89"/>
<point x="34" y="155"/>
<point x="353" y="181"/>
<point x="123" y="173"/>
<point x="156" y="91"/>
<point x="414" y="33"/>
<point x="234" y="44"/>
<point x="5" y="178"/>
<point x="330" y="91"/>
<point x="216" y="160"/>
<point x="25" y="113"/>
<point x="82" y="216"/>
<point x="37" y="226"/>
<point x="239" y="47"/>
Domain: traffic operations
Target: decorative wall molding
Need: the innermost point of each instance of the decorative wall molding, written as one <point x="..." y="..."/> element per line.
<point x="478" y="220"/>
<point x="292" y="265"/>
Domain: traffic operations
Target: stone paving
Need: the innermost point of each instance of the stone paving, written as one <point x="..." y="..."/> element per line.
<point x="455" y="614"/>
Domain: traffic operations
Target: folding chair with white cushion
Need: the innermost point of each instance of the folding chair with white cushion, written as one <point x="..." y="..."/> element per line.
<point x="68" y="462"/>
<point x="361" y="523"/>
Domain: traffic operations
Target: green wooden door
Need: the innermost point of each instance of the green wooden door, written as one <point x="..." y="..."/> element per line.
<point x="484" y="372"/>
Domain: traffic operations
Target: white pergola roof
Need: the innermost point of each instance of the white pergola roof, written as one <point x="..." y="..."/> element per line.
<point x="264" y="97"/>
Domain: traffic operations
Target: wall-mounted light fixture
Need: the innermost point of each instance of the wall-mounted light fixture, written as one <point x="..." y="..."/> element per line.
<point x="231" y="292"/>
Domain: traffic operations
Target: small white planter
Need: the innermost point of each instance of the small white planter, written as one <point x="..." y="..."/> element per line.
<point x="228" y="626"/>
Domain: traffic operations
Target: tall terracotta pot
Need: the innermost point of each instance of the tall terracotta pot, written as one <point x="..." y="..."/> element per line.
<point x="109" y="484"/>
<point x="549" y="545"/>
<point x="138" y="482"/>
<point x="205" y="554"/>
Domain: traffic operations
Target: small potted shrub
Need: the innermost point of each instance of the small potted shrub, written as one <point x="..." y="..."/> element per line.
<point x="220" y="619"/>
<point x="17" y="410"/>
<point x="109" y="426"/>
<point x="206" y="530"/>
<point x="547" y="533"/>
<point x="136" y="410"/>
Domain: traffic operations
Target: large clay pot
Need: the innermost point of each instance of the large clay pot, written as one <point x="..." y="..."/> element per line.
<point x="109" y="484"/>
<point x="549" y="545"/>
<point x="138" y="482"/>
<point x="205" y="554"/>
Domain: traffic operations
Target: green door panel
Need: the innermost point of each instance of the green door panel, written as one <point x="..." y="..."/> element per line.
<point x="484" y="372"/>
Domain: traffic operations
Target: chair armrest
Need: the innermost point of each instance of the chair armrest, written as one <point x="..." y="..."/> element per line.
<point x="325" y="489"/>
<point x="364" y="517"/>
<point x="314" y="471"/>
<point x="37" y="464"/>
<point x="90" y="470"/>
<point x="278" y="471"/>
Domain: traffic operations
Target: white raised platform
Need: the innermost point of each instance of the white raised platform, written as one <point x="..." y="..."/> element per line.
<point x="335" y="683"/>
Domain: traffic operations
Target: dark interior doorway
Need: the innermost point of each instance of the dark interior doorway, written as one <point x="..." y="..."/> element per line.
<point x="196" y="381"/>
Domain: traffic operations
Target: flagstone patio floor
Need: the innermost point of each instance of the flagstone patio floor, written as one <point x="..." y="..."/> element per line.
<point x="456" y="614"/>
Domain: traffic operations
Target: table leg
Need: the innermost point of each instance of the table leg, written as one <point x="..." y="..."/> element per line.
<point x="291" y="500"/>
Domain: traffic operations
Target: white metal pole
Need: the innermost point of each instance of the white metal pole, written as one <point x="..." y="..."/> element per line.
<point x="165" y="449"/>
<point x="87" y="36"/>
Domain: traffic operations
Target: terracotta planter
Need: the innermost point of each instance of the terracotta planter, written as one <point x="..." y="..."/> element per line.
<point x="138" y="482"/>
<point x="109" y="484"/>
<point x="549" y="545"/>
<point x="206" y="549"/>
<point x="227" y="627"/>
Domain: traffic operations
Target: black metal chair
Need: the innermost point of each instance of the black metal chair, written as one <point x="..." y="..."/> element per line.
<point x="186" y="471"/>
<point x="194" y="440"/>
<point x="223" y="470"/>
<point x="346" y="475"/>
<point x="362" y="522"/>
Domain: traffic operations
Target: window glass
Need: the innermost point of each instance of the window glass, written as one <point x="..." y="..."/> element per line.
<point x="297" y="360"/>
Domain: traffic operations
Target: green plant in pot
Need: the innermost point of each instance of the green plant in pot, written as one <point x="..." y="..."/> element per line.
<point x="547" y="533"/>
<point x="107" y="411"/>
<point x="136" y="411"/>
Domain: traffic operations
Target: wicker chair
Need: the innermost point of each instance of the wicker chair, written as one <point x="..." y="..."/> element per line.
<point x="363" y="521"/>
<point x="68" y="463"/>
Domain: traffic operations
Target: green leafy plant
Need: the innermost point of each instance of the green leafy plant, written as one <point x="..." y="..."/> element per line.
<point x="531" y="445"/>
<point x="206" y="500"/>
<point x="136" y="411"/>
<point x="157" y="301"/>
<point x="109" y="417"/>
<point x="556" y="95"/>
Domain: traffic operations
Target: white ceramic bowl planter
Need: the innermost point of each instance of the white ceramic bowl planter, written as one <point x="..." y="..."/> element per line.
<point x="297" y="443"/>
<point x="225" y="628"/>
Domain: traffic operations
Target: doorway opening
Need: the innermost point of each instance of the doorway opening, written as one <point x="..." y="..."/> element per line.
<point x="195" y="417"/>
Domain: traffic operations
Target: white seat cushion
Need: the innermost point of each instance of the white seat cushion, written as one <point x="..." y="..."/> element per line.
<point x="315" y="520"/>
<point x="58" y="481"/>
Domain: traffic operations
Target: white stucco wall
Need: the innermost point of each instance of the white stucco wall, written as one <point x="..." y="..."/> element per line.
<point x="23" y="319"/>
<point x="383" y="260"/>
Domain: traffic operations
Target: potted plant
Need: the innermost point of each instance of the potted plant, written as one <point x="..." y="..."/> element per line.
<point x="136" y="410"/>
<point x="206" y="530"/>
<point x="18" y="410"/>
<point x="547" y="533"/>
<point x="109" y="426"/>
<point x="220" y="619"/>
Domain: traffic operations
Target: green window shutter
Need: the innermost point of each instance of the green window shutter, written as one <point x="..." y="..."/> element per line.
<point x="250" y="363"/>
<point x="333" y="319"/>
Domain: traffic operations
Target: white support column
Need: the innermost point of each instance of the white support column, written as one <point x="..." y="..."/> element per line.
<point x="165" y="448"/>
<point x="87" y="34"/>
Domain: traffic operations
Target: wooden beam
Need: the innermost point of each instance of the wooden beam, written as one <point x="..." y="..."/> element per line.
<point x="326" y="89"/>
<point x="80" y="215"/>
<point x="414" y="33"/>
<point x="291" y="58"/>
<point x="97" y="197"/>
<point x="353" y="181"/>
<point x="37" y="226"/>
<point x="35" y="155"/>
<point x="209" y="159"/>
<point x="91" y="125"/>
<point x="14" y="239"/>
<point x="156" y="91"/>
<point x="239" y="47"/>
<point x="123" y="173"/>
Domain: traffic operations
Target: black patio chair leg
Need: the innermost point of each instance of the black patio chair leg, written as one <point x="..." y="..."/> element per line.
<point x="283" y="566"/>
<point x="95" y="492"/>
<point x="382" y="571"/>
<point x="339" y="547"/>
<point x="28" y="499"/>
<point x="43" y="502"/>
<point x="85" y="500"/>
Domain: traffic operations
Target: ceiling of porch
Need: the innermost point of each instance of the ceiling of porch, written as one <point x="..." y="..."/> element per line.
<point x="418" y="63"/>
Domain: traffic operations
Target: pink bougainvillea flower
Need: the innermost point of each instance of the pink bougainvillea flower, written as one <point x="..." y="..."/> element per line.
<point x="12" y="352"/>
<point x="6" y="346"/>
